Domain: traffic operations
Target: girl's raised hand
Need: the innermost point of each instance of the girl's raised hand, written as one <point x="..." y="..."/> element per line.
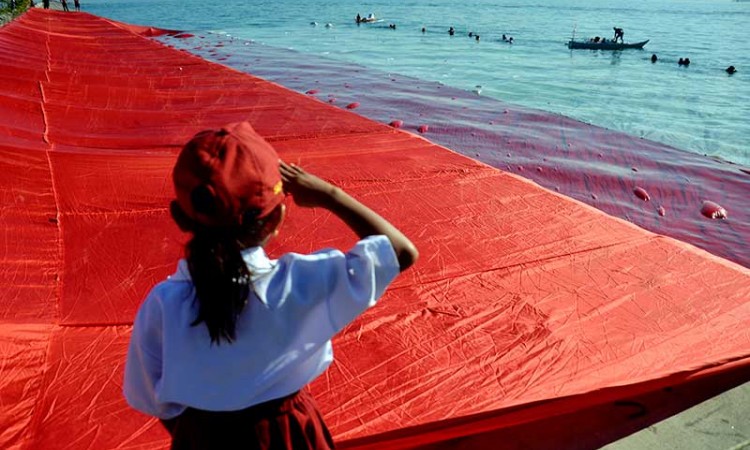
<point x="307" y="189"/>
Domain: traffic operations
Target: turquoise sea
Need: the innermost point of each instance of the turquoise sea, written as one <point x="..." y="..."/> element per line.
<point x="699" y="108"/>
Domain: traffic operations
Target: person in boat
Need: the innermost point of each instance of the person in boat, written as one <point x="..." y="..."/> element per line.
<point x="619" y="34"/>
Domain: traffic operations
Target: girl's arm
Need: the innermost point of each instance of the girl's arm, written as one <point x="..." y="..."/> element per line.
<point x="311" y="191"/>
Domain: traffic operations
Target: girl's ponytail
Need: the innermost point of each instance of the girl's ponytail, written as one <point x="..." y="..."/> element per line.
<point x="221" y="278"/>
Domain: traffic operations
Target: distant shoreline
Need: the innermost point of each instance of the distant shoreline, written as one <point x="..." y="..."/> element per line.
<point x="7" y="17"/>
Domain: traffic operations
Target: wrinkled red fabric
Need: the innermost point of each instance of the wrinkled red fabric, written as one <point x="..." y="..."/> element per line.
<point x="525" y="306"/>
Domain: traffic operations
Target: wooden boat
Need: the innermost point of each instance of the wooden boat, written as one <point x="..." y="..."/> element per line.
<point x="605" y="45"/>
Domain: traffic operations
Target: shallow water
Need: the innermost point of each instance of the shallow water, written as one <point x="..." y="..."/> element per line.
<point x="699" y="108"/>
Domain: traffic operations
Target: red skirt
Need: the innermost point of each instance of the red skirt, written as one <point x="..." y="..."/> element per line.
<point x="288" y="423"/>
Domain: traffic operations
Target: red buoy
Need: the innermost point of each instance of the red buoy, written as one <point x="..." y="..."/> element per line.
<point x="352" y="105"/>
<point x="396" y="123"/>
<point x="713" y="210"/>
<point x="641" y="193"/>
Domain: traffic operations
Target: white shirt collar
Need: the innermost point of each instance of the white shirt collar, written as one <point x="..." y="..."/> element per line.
<point x="257" y="261"/>
<point x="255" y="258"/>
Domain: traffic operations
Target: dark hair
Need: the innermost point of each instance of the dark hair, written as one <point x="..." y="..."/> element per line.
<point x="219" y="273"/>
<point x="221" y="279"/>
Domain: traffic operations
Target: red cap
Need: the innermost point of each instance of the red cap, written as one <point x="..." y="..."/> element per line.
<point x="222" y="174"/>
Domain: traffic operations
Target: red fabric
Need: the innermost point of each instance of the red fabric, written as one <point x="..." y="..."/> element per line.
<point x="235" y="167"/>
<point x="524" y="306"/>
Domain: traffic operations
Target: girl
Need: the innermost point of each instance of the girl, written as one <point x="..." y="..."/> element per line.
<point x="222" y="350"/>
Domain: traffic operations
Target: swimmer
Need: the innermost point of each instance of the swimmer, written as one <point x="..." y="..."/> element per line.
<point x="329" y="25"/>
<point x="477" y="37"/>
<point x="654" y="58"/>
<point x="681" y="62"/>
<point x="424" y="30"/>
<point x="471" y="34"/>
<point x="505" y="38"/>
<point x="731" y="69"/>
<point x="451" y="31"/>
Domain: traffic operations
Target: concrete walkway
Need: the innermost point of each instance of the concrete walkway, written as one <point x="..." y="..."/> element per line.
<point x="721" y="423"/>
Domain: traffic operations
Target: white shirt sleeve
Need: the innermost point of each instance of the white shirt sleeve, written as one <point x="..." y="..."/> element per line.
<point x="143" y="367"/>
<point x="353" y="281"/>
<point x="343" y="284"/>
<point x="369" y="268"/>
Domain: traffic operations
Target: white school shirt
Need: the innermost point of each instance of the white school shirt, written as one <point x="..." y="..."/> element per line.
<point x="283" y="335"/>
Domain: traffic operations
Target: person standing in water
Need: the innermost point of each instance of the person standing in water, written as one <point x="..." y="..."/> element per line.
<point x="222" y="350"/>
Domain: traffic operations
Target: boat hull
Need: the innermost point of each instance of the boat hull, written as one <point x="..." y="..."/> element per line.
<point x="604" y="46"/>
